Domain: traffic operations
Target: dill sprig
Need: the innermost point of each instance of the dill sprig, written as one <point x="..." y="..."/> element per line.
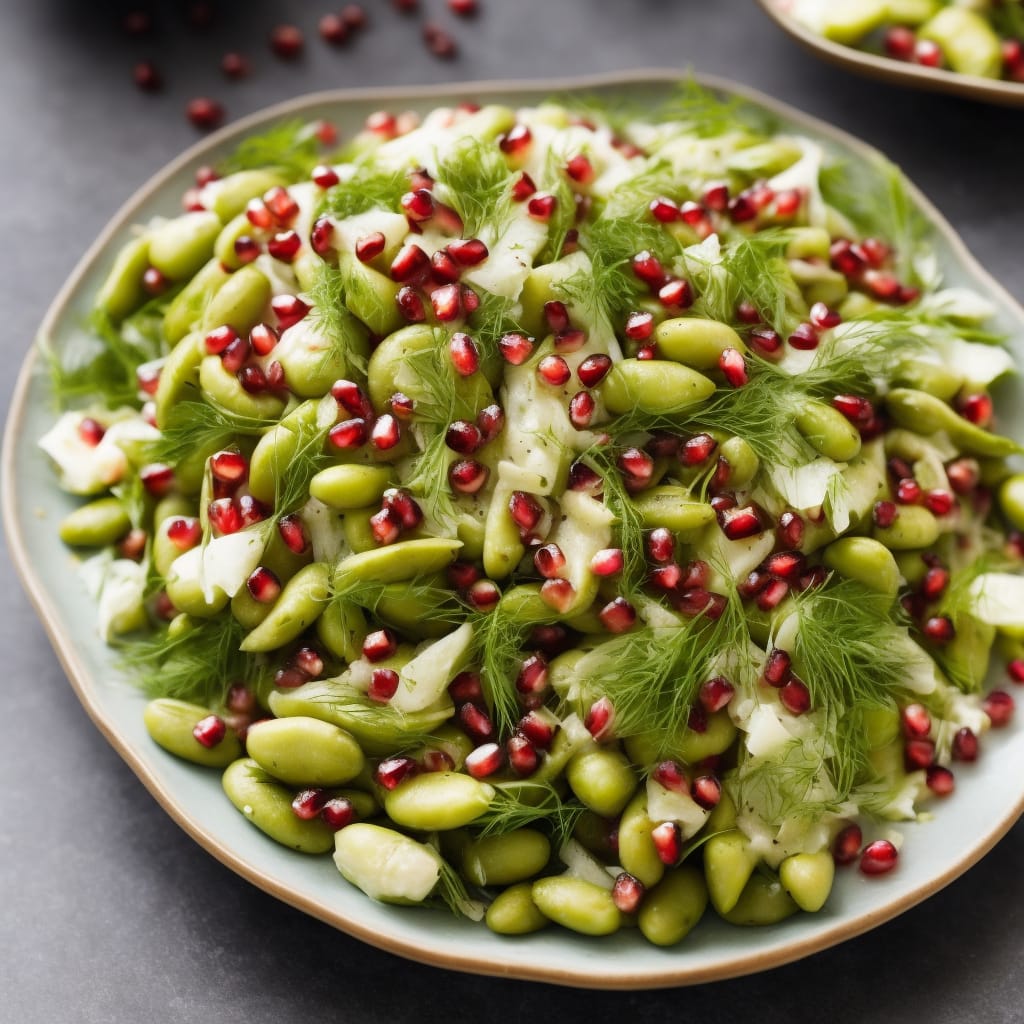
<point x="367" y="189"/>
<point x="196" y="665"/>
<point x="290" y="148"/>
<point x="436" y="604"/>
<point x="291" y="481"/>
<point x="333" y="317"/>
<point x="194" y="425"/>
<point x="508" y="811"/>
<point x="498" y="639"/>
<point x="451" y="892"/>
<point x="478" y="181"/>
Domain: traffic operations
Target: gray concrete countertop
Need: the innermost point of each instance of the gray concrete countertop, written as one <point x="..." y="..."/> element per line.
<point x="110" y="913"/>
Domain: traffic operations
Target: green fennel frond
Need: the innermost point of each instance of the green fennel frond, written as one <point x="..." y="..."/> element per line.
<point x="529" y="803"/>
<point x="202" y="424"/>
<point x="290" y="148"/>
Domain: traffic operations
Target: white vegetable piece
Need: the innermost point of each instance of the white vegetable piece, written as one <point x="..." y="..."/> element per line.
<point x="425" y="679"/>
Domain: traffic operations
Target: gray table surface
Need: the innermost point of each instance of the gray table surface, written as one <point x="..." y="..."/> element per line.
<point x="108" y="912"/>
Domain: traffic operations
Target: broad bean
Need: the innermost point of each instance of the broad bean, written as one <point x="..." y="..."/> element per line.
<point x="95" y="525"/>
<point x="296" y="609"/>
<point x="304" y="751"/>
<point x="577" y="905"/>
<point x="438" y="801"/>
<point x="170" y="724"/>
<point x="674" y="906"/>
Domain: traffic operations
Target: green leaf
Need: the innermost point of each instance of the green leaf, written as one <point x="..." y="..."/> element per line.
<point x="202" y="424"/>
<point x="479" y="185"/>
<point x="366" y="190"/>
<point x="508" y="812"/>
<point x="291" y="148"/>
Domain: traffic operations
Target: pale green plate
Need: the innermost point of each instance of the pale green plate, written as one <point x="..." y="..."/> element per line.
<point x="989" y="796"/>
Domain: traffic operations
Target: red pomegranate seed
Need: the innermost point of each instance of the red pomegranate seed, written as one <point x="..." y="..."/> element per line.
<point x="935" y="582"/>
<point x="549" y="560"/>
<point x="333" y="29"/>
<point x="765" y="341"/>
<point x="804" y="337"/>
<point x="697" y="449"/>
<point x="370" y="246"/>
<point x="542" y="206"/>
<point x="154" y="283"/>
<point x="443" y="269"/>
<point x="754" y="583"/>
<point x="229" y="466"/>
<point x="722" y="502"/>
<point x="939" y="502"/>
<point x="338" y="812"/>
<point x="558" y="594"/>
<point x="526" y="512"/>
<point x="999" y="706"/>
<point x="289" y="310"/>
<point x="281" y="205"/>
<point x="91" y="431"/>
<point x="466" y="688"/>
<point x="224" y="516"/>
<point x="446" y="302"/>
<point x="627" y="893"/>
<point x="899" y="42"/>
<point x="475" y="723"/>
<point x="878" y="857"/>
<point x="823" y="318"/>
<point x="676" y="293"/>
<point x="648" y="268"/>
<point x="310" y="661"/>
<point x="326" y="177"/>
<point x="234" y="65"/>
<point x="581" y="410"/>
<point x="580" y="169"/>
<point x="157" y="478"/>
<point x="734" y="367"/>
<point x="772" y="594"/>
<point x="463" y="437"/>
<point x="738" y="523"/>
<point x="667" y="577"/>
<point x="184" y="532"/>
<point x="916" y="721"/>
<point x="859" y="411"/>
<point x="515" y="348"/>
<point x="522" y="755"/>
<point x="1015" y="670"/>
<point x="777" y="671"/>
<point x="668" y="842"/>
<point x="791" y="530"/>
<point x="583" y="478"/>
<point x="939" y="630"/>
<point x="383" y="685"/>
<point x="349" y="434"/>
<point x="715" y="694"/>
<point x="286" y="41"/>
<point x="706" y="791"/>
<point x="786" y="565"/>
<point x="636" y="465"/>
<point x="661" y="545"/>
<point x="742" y="208"/>
<point x="977" y="409"/>
<point x="671" y="776"/>
<point x="204" y="113"/>
<point x="467" y="252"/>
<point x="417" y="205"/>
<point x="570" y="340"/>
<point x="385" y="433"/>
<point x="788" y="202"/>
<point x="401" y="504"/>
<point x="593" y="370"/>
<point x="321" y="239"/>
<point x="964" y="475"/>
<point x="846" y="845"/>
<point x="939" y="779"/>
<point x="209" y="731"/>
<point x="918" y="754"/>
<point x="263" y="585"/>
<point x="664" y="210"/>
<point x="908" y="492"/>
<point x="523" y="188"/>
<point x="470" y="300"/>
<point x="467" y="476"/>
<point x="607" y="562"/>
<point x="236" y="355"/>
<point x="516" y="141"/>
<point x="639" y="326"/>
<point x="385" y="526"/>
<point x="554" y="370"/>
<point x="927" y="53"/>
<point x="484" y="760"/>
<point x="965" y="745"/>
<point x="411" y="265"/>
<point x="379" y="644"/>
<point x="795" y="697"/>
<point x="600" y="719"/>
<point x="538" y="727"/>
<point x="695" y="215"/>
<point x="258" y="215"/>
<point x="646" y="352"/>
<point x="716" y="196"/>
<point x="394" y="770"/>
<point x="351" y="397"/>
<point x="484" y="595"/>
<point x="884" y="514"/>
<point x="533" y="675"/>
<point x="618" y="615"/>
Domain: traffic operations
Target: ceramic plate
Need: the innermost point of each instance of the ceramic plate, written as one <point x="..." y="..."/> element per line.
<point x="989" y="797"/>
<point x="887" y="69"/>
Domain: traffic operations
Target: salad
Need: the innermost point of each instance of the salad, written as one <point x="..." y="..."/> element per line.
<point x="984" y="38"/>
<point x="563" y="514"/>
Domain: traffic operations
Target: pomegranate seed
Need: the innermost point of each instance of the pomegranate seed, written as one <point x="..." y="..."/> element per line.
<point x="706" y="791"/>
<point x="668" y="842"/>
<point x="646" y="352"/>
<point x="916" y="721"/>
<point x="484" y="595"/>
<point x="899" y="42"/>
<point x="286" y="41"/>
<point x="204" y="113"/>
<point x="918" y="754"/>
<point x="446" y="302"/>
<point x="791" y="530"/>
<point x="349" y="434"/>
<point x="337" y="813"/>
<point x="382" y="123"/>
<point x="823" y="318"/>
<point x="715" y="694"/>
<point x="522" y="755"/>
<point x="154" y="283"/>
<point x="293" y="533"/>
<point x="463" y="437"/>
<point x="533" y="675"/>
<point x="402" y="405"/>
<point x="463" y="8"/>
<point x="804" y="337"/>
<point x="734" y="367"/>
<point x="580" y="169"/>
<point x="542" y="206"/>
<point x="549" y="561"/>
<point x="738" y="523"/>
<point x="671" y="776"/>
<point x="394" y="770"/>
<point x="379" y="644"/>
<point x="263" y="585"/>
<point x="676" y="293"/>
<point x="147" y="77"/>
<point x="787" y="203"/>
<point x="370" y="246"/>
<point x="1015" y="670"/>
<point x="999" y="706"/>
<point x="939" y="779"/>
<point x="846" y="845"/>
<point x="607" y="562"/>
<point x="320" y="238"/>
<point x="664" y="210"/>
<point x="236" y="355"/>
<point x="754" y="583"/>
<point x="262" y="339"/>
<point x="157" y="478"/>
<point x="467" y="476"/>
<point x="351" y="397"/>
<point x="554" y="370"/>
<point x="281" y="205"/>
<point x="692" y="602"/>
<point x="618" y="615"/>
<point x="466" y="688"/>
<point x="515" y="348"/>
<point x="777" y="671"/>
<point x="475" y="723"/>
<point x="333" y="29"/>
<point x="401" y="504"/>
<point x="964" y="475"/>
<point x="484" y="760"/>
<point x="667" y="577"/>
<point x="234" y="65"/>
<point x="694" y="214"/>
<point x="636" y="465"/>
<point x="772" y="594"/>
<point x="470" y="300"/>
<point x="583" y="478"/>
<point x="526" y="512"/>
<point x="742" y="208"/>
<point x="648" y="268"/>
<point x="661" y="545"/>
<point x="571" y="340"/>
<point x="765" y="341"/>
<point x="385" y="433"/>
<point x="491" y="421"/>
<point x="224" y="516"/>
<point x="184" y="532"/>
<point x="385" y="526"/>
<point x="908" y="492"/>
<point x="878" y="857"/>
<point x="786" y="565"/>
<point x="325" y="177"/>
<point x="258" y="215"/>
<point x="537" y="728"/>
<point x="627" y="893"/>
<point x="516" y="140"/>
<point x="600" y="719"/>
<point x="209" y="731"/>
<point x="411" y="265"/>
<point x="697" y="449"/>
<point x="91" y="431"/>
<point x="593" y="370"/>
<point x="939" y="630"/>
<point x="310" y="661"/>
<point x="859" y="411"/>
<point x="698" y="574"/>
<point x="927" y="53"/>
<point x="289" y="310"/>
<point x="795" y="697"/>
<point x="977" y="409"/>
<point x="558" y="594"/>
<point x="467" y="252"/>
<point x="934" y="584"/>
<point x="716" y="196"/>
<point x="581" y="410"/>
<point x="639" y="326"/>
<point x="722" y="502"/>
<point x="523" y="188"/>
<point x="137" y="23"/>
<point x="965" y="745"/>
<point x="229" y="466"/>
<point x="443" y="269"/>
<point x="417" y="205"/>
<point x="938" y="502"/>
<point x="884" y="514"/>
<point x="383" y="685"/>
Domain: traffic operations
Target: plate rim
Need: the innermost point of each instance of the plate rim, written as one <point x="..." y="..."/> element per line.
<point x="658" y="976"/>
<point x="887" y="69"/>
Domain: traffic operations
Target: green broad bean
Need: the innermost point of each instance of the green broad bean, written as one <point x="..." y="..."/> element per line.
<point x="179" y="374"/>
<point x="828" y="431"/>
<point x="598" y="835"/>
<point x="241" y="301"/>
<point x="181" y="625"/>
<point x="969" y="43"/>
<point x="350" y="485"/>
<point x="513" y="912"/>
<point x="671" y="910"/>
<point x="121" y="292"/>
<point x="185" y="312"/>
<point x="637" y="853"/>
<point x="763" y="901"/>
<point x="95" y="525"/>
<point x="306" y="267"/>
<point x="577" y="905"/>
<point x="190" y="472"/>
<point x="170" y="724"/>
<point x="281" y="560"/>
<point x="993" y="473"/>
<point x="728" y="864"/>
<point x="849" y="21"/>
<point x="765" y="159"/>
<point x="654" y="386"/>
<point x="358" y="532"/>
<point x="927" y="414"/>
<point x="936" y="379"/>
<point x="503" y="547"/>
<point x="224" y="247"/>
<point x="365" y="805"/>
<point x="173" y="506"/>
<point x="696" y="342"/>
<point x="370" y="296"/>
<point x="505" y="859"/>
<point x="438" y="801"/>
<point x="276" y="450"/>
<point x="227" y="391"/>
<point x="313" y="361"/>
<point x="523" y="604"/>
<point x="742" y="459"/>
<point x="247" y="611"/>
<point x="385" y="864"/>
<point x="268" y="805"/>
<point x="186" y="592"/>
<point x="911" y="12"/>
<point x="165" y="551"/>
<point x="299" y="605"/>
<point x="342" y="629"/>
<point x="1011" y="500"/>
<point x="808" y="877"/>
<point x="865" y="560"/>
<point x="808" y="243"/>
<point x="687" y="745"/>
<point x="400" y="562"/>
<point x="229" y="195"/>
<point x="673" y="508"/>
<point x="915" y="527"/>
<point x="379" y="734"/>
<point x="818" y="282"/>
<point x="603" y="780"/>
<point x="179" y="247"/>
<point x="304" y="751"/>
<point x="413" y="611"/>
